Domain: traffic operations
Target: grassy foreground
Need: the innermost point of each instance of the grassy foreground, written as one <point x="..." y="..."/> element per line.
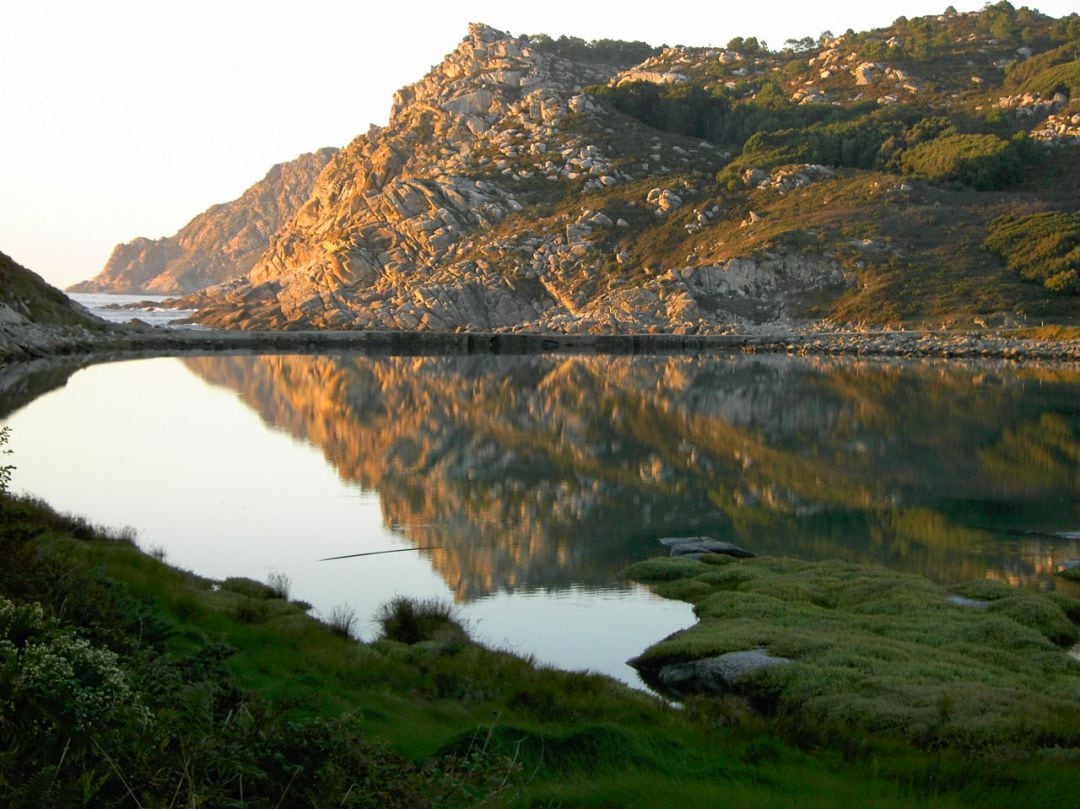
<point x="125" y="682"/>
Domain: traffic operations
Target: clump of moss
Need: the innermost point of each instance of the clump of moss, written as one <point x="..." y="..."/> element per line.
<point x="887" y="652"/>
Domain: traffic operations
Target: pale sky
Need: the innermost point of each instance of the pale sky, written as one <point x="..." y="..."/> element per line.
<point x="125" y="118"/>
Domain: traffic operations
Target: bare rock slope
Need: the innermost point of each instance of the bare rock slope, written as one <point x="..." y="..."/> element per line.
<point x="221" y="243"/>
<point x="472" y="209"/>
<point x="527" y="184"/>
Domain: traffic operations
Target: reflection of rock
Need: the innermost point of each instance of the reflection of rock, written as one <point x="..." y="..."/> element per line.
<point x="711" y="675"/>
<point x="540" y="471"/>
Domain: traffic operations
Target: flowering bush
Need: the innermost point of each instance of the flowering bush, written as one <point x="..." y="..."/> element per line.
<point x="59" y="694"/>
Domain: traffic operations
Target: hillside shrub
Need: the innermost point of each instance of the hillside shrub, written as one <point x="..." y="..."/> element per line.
<point x="683" y="109"/>
<point x="869" y="141"/>
<point x="605" y="51"/>
<point x="1044" y="248"/>
<point x="409" y="620"/>
<point x="985" y="162"/>
<point x="1047" y="73"/>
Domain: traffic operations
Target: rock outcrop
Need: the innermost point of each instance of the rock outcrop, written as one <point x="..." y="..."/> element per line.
<point x="719" y="674"/>
<point x="533" y="185"/>
<point x="221" y="243"/>
<point x="468" y="211"/>
<point x="37" y="319"/>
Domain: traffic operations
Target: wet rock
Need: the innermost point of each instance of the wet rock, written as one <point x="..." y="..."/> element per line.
<point x="699" y="546"/>
<point x="715" y="675"/>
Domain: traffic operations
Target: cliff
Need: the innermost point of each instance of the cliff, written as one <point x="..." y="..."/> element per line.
<point x="221" y="243"/>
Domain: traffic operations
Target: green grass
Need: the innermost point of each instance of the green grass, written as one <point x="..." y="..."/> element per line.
<point x="241" y="682"/>
<point x="885" y="652"/>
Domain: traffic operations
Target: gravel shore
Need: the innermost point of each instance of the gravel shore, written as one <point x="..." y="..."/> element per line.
<point x="21" y="343"/>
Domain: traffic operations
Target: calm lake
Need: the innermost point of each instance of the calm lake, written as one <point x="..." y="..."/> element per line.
<point x="521" y="487"/>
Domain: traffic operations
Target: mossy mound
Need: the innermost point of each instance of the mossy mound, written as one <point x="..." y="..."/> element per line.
<point x="883" y="651"/>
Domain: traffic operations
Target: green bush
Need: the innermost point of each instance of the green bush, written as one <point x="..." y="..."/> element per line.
<point x="684" y="109"/>
<point x="249" y="587"/>
<point x="62" y="698"/>
<point x="1047" y="73"/>
<point x="985" y="162"/>
<point x="409" y="620"/>
<point x="1044" y="248"/>
<point x="1040" y="614"/>
<point x="606" y="51"/>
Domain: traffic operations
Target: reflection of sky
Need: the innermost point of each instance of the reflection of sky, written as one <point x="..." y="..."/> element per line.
<point x="196" y="472"/>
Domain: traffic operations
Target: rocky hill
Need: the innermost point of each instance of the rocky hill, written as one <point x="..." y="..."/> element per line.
<point x="26" y="299"/>
<point x="924" y="173"/>
<point x="221" y="243"/>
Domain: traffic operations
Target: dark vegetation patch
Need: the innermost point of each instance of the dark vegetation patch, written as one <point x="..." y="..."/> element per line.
<point x="605" y="51"/>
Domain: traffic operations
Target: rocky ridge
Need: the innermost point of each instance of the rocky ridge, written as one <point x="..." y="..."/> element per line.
<point x="221" y="243"/>
<point x="438" y="220"/>
<point x="533" y="185"/>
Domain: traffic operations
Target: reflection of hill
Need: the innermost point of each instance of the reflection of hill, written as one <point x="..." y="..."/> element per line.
<point x="540" y="471"/>
<point x="23" y="382"/>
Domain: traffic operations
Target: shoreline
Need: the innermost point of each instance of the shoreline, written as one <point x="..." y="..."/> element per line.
<point x="33" y="342"/>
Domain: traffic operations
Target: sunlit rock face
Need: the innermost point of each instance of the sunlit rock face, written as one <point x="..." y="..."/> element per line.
<point x="474" y="209"/>
<point x="528" y="472"/>
<point x="221" y="243"/>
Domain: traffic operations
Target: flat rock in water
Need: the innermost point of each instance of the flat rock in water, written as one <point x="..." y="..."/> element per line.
<point x="716" y="675"/>
<point x="699" y="546"/>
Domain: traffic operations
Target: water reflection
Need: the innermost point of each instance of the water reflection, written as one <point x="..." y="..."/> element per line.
<point x="549" y="472"/>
